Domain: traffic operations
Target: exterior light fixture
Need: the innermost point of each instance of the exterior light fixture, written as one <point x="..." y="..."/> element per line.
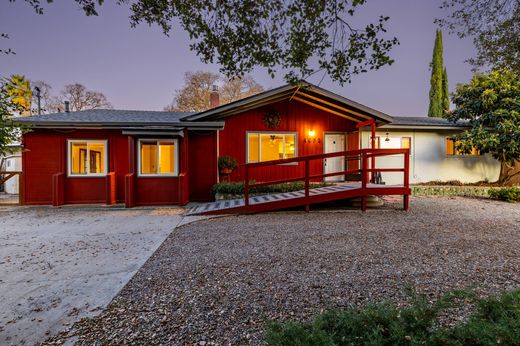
<point x="312" y="133"/>
<point x="387" y="139"/>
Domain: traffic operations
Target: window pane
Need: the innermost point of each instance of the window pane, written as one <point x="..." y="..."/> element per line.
<point x="96" y="152"/>
<point x="166" y="158"/>
<point x="405" y="142"/>
<point x="290" y="146"/>
<point x="271" y="147"/>
<point x="148" y="158"/>
<point x="252" y="140"/>
<point x="78" y="158"/>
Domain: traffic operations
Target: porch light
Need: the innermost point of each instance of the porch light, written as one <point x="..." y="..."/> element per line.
<point x="312" y="133"/>
<point x="387" y="139"/>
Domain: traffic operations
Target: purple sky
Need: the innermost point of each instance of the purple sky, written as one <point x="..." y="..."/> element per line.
<point x="140" y="68"/>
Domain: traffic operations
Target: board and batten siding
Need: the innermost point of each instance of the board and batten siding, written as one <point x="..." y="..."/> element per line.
<point x="428" y="159"/>
<point x="296" y="117"/>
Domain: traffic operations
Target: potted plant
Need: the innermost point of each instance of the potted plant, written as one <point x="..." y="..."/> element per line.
<point x="226" y="164"/>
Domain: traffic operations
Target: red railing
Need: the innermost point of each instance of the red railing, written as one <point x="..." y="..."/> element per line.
<point x="366" y="171"/>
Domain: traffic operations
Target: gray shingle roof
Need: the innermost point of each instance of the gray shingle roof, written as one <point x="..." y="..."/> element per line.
<point x="103" y="116"/>
<point x="419" y="122"/>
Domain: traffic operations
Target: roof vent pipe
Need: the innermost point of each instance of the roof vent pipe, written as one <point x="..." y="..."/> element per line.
<point x="67" y="106"/>
<point x="214" y="99"/>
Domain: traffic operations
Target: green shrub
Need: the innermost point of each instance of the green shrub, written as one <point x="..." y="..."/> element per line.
<point x="227" y="161"/>
<point x="509" y="194"/>
<point x="237" y="188"/>
<point x="496" y="320"/>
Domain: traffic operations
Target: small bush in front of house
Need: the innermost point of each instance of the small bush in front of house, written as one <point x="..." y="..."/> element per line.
<point x="227" y="162"/>
<point x="237" y="188"/>
<point x="494" y="320"/>
<point x="509" y="194"/>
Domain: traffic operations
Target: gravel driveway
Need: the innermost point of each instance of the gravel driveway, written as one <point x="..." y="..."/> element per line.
<point x="58" y="265"/>
<point x="218" y="281"/>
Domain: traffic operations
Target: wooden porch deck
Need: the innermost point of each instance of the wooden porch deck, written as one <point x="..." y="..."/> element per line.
<point x="296" y="198"/>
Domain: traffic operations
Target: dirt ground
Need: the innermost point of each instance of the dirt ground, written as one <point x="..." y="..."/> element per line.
<point x="219" y="281"/>
<point x="58" y="265"/>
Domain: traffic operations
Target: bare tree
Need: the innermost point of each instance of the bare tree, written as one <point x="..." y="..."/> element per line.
<point x="194" y="96"/>
<point x="80" y="98"/>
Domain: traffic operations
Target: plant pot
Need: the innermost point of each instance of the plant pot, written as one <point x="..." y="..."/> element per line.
<point x="226" y="171"/>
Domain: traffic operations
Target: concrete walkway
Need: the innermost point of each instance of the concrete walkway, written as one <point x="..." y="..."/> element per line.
<point x="59" y="265"/>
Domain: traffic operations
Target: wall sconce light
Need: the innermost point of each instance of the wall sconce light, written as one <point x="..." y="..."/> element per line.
<point x="387" y="139"/>
<point x="311" y="137"/>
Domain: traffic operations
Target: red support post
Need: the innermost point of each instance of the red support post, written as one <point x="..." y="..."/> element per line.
<point x="246" y="185"/>
<point x="58" y="189"/>
<point x="307" y="192"/>
<point x="110" y="182"/>
<point x="129" y="191"/>
<point x="364" y="178"/>
<point x="406" y="173"/>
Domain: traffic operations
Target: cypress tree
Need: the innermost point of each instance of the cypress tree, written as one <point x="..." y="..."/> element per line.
<point x="439" y="99"/>
<point x="445" y="92"/>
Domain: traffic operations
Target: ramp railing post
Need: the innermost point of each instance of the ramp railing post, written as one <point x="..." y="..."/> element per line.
<point x="364" y="178"/>
<point x="406" y="173"/>
<point x="246" y="185"/>
<point x="307" y="193"/>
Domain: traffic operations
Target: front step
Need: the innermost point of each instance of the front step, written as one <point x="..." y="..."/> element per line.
<point x="373" y="201"/>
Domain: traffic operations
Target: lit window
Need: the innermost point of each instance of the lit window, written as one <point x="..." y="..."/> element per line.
<point x="271" y="146"/>
<point x="451" y="149"/>
<point x="377" y="142"/>
<point x="87" y="158"/>
<point x="158" y="157"/>
<point x="406" y="142"/>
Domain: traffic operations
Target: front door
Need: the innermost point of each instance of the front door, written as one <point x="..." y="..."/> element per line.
<point x="334" y="143"/>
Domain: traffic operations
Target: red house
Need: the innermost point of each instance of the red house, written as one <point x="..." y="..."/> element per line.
<point x="163" y="158"/>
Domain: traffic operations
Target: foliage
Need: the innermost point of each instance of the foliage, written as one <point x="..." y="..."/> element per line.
<point x="456" y="183"/>
<point x="510" y="194"/>
<point x="195" y="94"/>
<point x="439" y="99"/>
<point x="9" y="131"/>
<point x="47" y="100"/>
<point x="227" y="162"/>
<point x="496" y="320"/>
<point x="19" y="91"/>
<point x="299" y="37"/>
<point x="494" y="26"/>
<point x="491" y="103"/>
<point x="237" y="188"/>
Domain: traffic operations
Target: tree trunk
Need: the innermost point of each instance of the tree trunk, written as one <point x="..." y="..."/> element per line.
<point x="509" y="174"/>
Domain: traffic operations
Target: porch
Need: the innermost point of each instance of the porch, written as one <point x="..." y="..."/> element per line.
<point x="365" y="158"/>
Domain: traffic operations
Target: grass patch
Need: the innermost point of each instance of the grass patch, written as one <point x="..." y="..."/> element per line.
<point x="495" y="320"/>
<point x="483" y="183"/>
<point x="509" y="194"/>
<point x="237" y="188"/>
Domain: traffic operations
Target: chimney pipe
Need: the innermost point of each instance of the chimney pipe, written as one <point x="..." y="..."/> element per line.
<point x="67" y="106"/>
<point x="214" y="99"/>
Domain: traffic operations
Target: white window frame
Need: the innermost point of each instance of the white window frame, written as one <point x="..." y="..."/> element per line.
<point x="87" y="168"/>
<point x="259" y="133"/>
<point x="156" y="141"/>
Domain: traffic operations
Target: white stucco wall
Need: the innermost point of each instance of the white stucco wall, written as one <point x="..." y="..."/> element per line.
<point x="12" y="163"/>
<point x="428" y="159"/>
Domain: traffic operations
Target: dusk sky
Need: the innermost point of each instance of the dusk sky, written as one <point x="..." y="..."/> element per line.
<point x="140" y="68"/>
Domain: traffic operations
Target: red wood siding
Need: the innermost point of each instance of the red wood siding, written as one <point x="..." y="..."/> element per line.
<point x="202" y="164"/>
<point x="296" y="117"/>
<point x="46" y="156"/>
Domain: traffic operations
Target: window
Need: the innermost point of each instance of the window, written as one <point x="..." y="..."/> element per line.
<point x="87" y="158"/>
<point x="271" y="146"/>
<point x="158" y="157"/>
<point x="377" y="142"/>
<point x="406" y="142"/>
<point x="451" y="149"/>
